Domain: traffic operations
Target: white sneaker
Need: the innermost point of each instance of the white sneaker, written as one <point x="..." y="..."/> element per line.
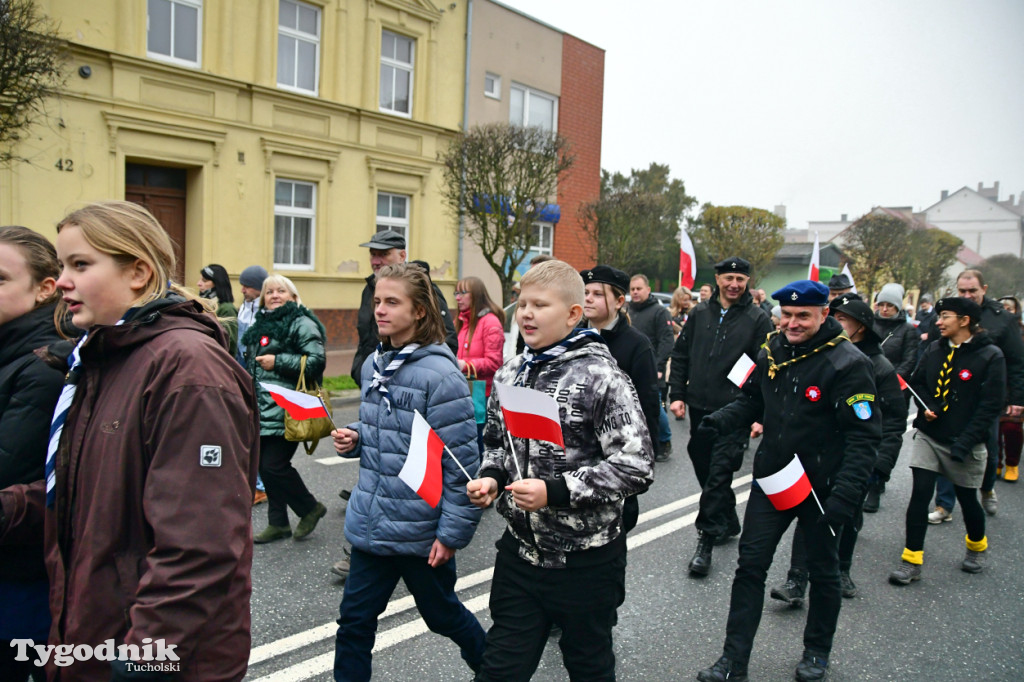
<point x="940" y="515"/>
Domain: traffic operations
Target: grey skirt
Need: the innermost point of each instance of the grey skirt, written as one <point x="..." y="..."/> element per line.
<point x="928" y="454"/>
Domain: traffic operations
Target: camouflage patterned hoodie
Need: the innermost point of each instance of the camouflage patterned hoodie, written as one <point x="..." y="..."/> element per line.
<point x="608" y="455"/>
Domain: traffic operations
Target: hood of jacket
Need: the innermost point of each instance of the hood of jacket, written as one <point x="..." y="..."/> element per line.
<point x="24" y="334"/>
<point x="896" y="320"/>
<point x="643" y="305"/>
<point x="744" y="300"/>
<point x="277" y="322"/>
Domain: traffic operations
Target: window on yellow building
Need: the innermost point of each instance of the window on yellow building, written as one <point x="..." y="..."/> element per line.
<point x="393" y="213"/>
<point x="174" y="30"/>
<point x="298" y="46"/>
<point x="397" y="55"/>
<point x="294" y="224"/>
<point x="529" y="107"/>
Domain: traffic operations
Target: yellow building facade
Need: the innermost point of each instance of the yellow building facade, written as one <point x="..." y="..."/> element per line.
<point x="271" y="132"/>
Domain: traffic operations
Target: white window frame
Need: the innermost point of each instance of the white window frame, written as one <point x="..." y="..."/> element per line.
<point x="548" y="228"/>
<point x="495" y="91"/>
<point x="529" y="92"/>
<point x="400" y="225"/>
<point x="301" y="37"/>
<point x="170" y="58"/>
<point x="296" y="212"/>
<point x="409" y="67"/>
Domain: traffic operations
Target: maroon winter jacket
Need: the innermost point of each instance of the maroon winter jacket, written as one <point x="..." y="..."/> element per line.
<point x="151" y="534"/>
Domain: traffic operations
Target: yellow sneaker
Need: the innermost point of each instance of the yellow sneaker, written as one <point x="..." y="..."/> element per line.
<point x="999" y="471"/>
<point x="1011" y="474"/>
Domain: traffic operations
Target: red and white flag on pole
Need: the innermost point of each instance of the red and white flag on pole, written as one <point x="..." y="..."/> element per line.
<point x="742" y="370"/>
<point x="846" y="271"/>
<point x="787" y="488"/>
<point x="422" y="468"/>
<point x="530" y="414"/>
<point x="812" y="269"/>
<point x="298" y="405"/>
<point x="687" y="261"/>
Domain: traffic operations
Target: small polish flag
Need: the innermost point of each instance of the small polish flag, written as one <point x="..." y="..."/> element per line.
<point x="298" y="405"/>
<point x="787" y="488"/>
<point x="812" y="269"/>
<point x="422" y="468"/>
<point x="742" y="370"/>
<point x="687" y="261"/>
<point x="903" y="382"/>
<point x="530" y="414"/>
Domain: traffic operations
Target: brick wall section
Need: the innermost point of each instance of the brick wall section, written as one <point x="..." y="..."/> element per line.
<point x="580" y="109"/>
<point x="341" y="327"/>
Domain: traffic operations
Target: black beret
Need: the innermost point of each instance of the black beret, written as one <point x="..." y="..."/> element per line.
<point x="964" y="307"/>
<point x="733" y="264"/>
<point x="839" y="282"/>
<point x="803" y="292"/>
<point x="855" y="306"/>
<point x="604" y="274"/>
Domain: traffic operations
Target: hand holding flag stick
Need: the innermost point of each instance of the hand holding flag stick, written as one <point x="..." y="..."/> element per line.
<point x="529" y="414"/>
<point x="299" y="406"/>
<point x="422" y="469"/>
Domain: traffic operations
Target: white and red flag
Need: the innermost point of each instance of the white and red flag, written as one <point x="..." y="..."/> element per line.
<point x="846" y="271"/>
<point x="687" y="261"/>
<point x="742" y="370"/>
<point x="787" y="488"/>
<point x="813" y="268"/>
<point x="530" y="414"/>
<point x="422" y="468"/>
<point x="299" y="406"/>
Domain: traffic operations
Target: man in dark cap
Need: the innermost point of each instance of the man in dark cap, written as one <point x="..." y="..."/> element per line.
<point x="388" y="248"/>
<point x="716" y="335"/>
<point x="838" y="285"/>
<point x="857" y="320"/>
<point x="815" y="394"/>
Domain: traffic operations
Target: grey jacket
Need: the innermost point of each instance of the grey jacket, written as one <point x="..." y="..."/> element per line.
<point x="608" y="455"/>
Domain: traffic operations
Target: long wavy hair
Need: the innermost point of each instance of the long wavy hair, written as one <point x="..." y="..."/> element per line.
<point x="482" y="304"/>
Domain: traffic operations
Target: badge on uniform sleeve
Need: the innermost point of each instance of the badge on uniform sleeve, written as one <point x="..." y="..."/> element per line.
<point x="209" y="455"/>
<point x="862" y="410"/>
<point x="264" y="340"/>
<point x="965" y="375"/>
<point x="813" y="393"/>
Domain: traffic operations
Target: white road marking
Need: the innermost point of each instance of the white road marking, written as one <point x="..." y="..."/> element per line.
<point x="318" y="665"/>
<point x="331" y="461"/>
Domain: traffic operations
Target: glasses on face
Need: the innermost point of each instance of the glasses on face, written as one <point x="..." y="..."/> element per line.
<point x="461" y="293"/>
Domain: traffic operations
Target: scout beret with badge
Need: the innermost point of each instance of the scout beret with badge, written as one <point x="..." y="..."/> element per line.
<point x="963" y="307"/>
<point x="734" y="264"/>
<point x="803" y="292"/>
<point x="604" y="274"/>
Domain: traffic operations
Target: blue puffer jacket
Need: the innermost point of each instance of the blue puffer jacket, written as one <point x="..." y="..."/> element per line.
<point x="384" y="515"/>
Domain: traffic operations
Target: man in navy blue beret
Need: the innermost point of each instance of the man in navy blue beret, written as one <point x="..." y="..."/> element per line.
<point x="814" y="392"/>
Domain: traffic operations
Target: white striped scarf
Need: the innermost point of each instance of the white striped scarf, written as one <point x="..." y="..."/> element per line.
<point x="531" y="360"/>
<point x="381" y="379"/>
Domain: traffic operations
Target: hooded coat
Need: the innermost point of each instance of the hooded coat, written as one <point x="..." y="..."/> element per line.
<point x="899" y="341"/>
<point x="150" y="536"/>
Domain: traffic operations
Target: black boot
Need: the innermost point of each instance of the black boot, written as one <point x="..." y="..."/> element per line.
<point x="792" y="591"/>
<point x="873" y="499"/>
<point x="723" y="670"/>
<point x="700" y="564"/>
<point x="811" y="667"/>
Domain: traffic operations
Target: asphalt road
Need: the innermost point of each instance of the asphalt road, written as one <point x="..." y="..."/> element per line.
<point x="949" y="626"/>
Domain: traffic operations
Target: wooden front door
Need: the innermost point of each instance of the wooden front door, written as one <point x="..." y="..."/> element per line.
<point x="162" y="191"/>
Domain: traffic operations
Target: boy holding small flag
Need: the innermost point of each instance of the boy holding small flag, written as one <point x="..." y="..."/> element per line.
<point x="814" y="392"/>
<point x="562" y="559"/>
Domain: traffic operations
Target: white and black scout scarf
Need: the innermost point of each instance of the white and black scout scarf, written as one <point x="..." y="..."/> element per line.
<point x="381" y="379"/>
<point x="531" y="360"/>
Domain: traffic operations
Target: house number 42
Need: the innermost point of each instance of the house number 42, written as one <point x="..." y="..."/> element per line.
<point x="65" y="165"/>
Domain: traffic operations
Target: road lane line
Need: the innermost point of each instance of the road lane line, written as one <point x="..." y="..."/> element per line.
<point x="318" y="665"/>
<point x="331" y="461"/>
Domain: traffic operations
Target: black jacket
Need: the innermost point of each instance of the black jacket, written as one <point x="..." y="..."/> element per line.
<point x="900" y="340"/>
<point x="29" y="389"/>
<point x="366" y="325"/>
<point x="977" y="391"/>
<point x="891" y="403"/>
<point x="653" y="320"/>
<point x="634" y="355"/>
<point x="706" y="351"/>
<point x="821" y="408"/>
<point x="1004" y="331"/>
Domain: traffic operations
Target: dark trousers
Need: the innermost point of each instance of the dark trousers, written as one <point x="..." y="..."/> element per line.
<point x="526" y="600"/>
<point x="714" y="462"/>
<point x="917" y="510"/>
<point x="763" y="527"/>
<point x="1011" y="442"/>
<point x="946" y="498"/>
<point x="847" y="543"/>
<point x="283" y="483"/>
<point x="370" y="583"/>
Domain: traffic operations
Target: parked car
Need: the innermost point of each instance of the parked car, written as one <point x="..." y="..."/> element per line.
<point x="664" y="299"/>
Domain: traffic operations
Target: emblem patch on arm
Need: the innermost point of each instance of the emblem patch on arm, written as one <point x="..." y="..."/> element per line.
<point x="862" y="410"/>
<point x="209" y="455"/>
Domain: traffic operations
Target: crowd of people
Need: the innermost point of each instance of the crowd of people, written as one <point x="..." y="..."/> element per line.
<point x="138" y="434"/>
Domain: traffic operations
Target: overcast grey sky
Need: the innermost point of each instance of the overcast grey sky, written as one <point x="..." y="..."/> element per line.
<point x="827" y="107"/>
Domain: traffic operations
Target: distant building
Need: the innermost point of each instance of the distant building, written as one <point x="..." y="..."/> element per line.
<point x="985" y="224"/>
<point x="526" y="72"/>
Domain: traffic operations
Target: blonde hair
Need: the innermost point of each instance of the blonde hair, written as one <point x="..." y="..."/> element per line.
<point x="278" y="280"/>
<point x="127" y="232"/>
<point x="430" y="327"/>
<point x="557" y="275"/>
<point x="678" y="296"/>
